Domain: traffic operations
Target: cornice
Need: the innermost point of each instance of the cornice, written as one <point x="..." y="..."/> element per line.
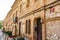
<point x="52" y="19"/>
<point x="15" y="4"/>
<point x="12" y="8"/>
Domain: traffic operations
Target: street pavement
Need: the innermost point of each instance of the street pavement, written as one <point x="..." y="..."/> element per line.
<point x="2" y="35"/>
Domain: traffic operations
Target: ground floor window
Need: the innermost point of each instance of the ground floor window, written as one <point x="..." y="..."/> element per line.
<point x="28" y="26"/>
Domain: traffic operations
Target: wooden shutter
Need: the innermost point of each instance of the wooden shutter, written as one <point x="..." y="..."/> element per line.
<point x="26" y="26"/>
<point x="29" y="26"/>
<point x="19" y="28"/>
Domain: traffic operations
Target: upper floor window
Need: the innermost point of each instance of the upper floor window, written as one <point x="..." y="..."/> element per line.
<point x="26" y="26"/>
<point x="16" y="13"/>
<point x="6" y="24"/>
<point x="35" y="0"/>
<point x="20" y="8"/>
<point x="28" y="3"/>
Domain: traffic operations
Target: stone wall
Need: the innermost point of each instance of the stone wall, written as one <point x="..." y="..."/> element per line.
<point x="53" y="30"/>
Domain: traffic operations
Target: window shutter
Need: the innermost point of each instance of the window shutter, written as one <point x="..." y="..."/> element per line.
<point x="26" y="26"/>
<point x="19" y="28"/>
<point x="29" y="26"/>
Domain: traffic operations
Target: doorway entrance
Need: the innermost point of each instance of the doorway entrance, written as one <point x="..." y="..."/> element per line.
<point x="37" y="29"/>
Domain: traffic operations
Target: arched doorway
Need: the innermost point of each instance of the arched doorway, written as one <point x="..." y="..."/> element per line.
<point x="37" y="29"/>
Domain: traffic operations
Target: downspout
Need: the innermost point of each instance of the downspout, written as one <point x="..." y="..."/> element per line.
<point x="44" y="21"/>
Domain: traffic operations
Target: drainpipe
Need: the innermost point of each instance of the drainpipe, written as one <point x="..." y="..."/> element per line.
<point x="44" y="21"/>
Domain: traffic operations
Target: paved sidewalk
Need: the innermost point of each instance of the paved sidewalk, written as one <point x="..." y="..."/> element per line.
<point x="2" y="36"/>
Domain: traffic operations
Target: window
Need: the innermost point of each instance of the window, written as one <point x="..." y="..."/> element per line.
<point x="16" y="13"/>
<point x="20" y="8"/>
<point x="13" y="17"/>
<point x="16" y="30"/>
<point x="6" y="24"/>
<point x="19" y="28"/>
<point x="28" y="2"/>
<point x="35" y="0"/>
<point x="28" y="25"/>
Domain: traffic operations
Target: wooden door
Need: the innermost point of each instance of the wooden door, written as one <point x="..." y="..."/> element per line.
<point x="38" y="30"/>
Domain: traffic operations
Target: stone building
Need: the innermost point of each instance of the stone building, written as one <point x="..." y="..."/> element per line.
<point x="34" y="19"/>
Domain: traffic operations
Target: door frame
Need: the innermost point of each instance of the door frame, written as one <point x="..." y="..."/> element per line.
<point x="35" y="22"/>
